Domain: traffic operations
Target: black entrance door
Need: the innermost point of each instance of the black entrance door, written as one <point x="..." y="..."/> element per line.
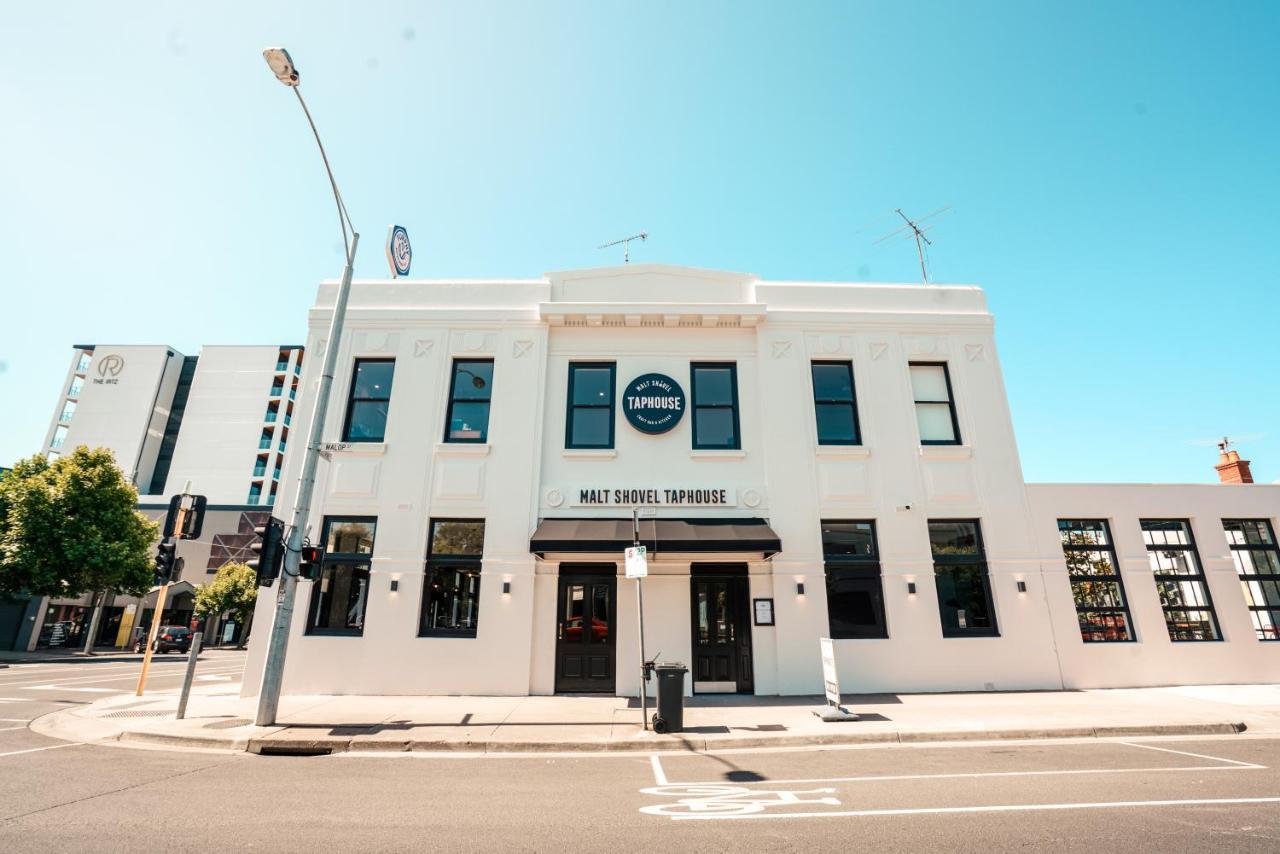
<point x="585" y="637"/>
<point x="721" y="629"/>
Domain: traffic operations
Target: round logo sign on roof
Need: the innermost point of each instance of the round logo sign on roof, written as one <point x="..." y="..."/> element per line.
<point x="399" y="253"/>
<point x="653" y="403"/>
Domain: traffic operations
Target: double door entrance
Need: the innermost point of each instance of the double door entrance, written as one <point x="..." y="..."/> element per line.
<point x="586" y="635"/>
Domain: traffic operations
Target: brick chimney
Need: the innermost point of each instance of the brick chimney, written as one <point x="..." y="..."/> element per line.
<point x="1232" y="469"/>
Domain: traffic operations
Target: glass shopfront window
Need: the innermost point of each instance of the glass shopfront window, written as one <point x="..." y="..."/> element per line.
<point x="341" y="594"/>
<point x="855" y="597"/>
<point x="960" y="573"/>
<point x="451" y="580"/>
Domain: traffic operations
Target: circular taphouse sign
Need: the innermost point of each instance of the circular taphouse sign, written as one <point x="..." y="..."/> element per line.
<point x="399" y="253"/>
<point x="653" y="403"/>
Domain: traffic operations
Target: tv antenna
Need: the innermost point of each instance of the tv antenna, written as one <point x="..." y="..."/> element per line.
<point x="919" y="231"/>
<point x="626" y="245"/>
<point x="1226" y="441"/>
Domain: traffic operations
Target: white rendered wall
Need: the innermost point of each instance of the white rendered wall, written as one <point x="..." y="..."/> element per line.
<point x="217" y="443"/>
<point x="1153" y="659"/>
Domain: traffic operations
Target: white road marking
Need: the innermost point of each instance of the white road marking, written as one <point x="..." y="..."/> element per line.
<point x="982" y="809"/>
<point x="29" y="700"/>
<point x="38" y="749"/>
<point x="1196" y="755"/>
<point x="213" y="678"/>
<point x="659" y="776"/>
<point x="65" y="688"/>
<point x="15" y="720"/>
<point x="10" y="728"/>
<point x="978" y="774"/>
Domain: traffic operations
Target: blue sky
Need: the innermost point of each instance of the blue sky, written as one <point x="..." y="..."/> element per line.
<point x="1112" y="166"/>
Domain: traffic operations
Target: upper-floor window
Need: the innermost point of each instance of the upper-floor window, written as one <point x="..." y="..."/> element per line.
<point x="715" y="406"/>
<point x="935" y="405"/>
<point x="1180" y="581"/>
<point x="470" y="392"/>
<point x="1257" y="560"/>
<point x="1101" y="607"/>
<point x="77" y="385"/>
<point x="59" y="437"/>
<point x="340" y="595"/>
<point x="855" y="598"/>
<point x="589" y="421"/>
<point x="834" y="403"/>
<point x="368" y="400"/>
<point x="960" y="574"/>
<point x="451" y="581"/>
<point x="82" y="363"/>
<point x="68" y="410"/>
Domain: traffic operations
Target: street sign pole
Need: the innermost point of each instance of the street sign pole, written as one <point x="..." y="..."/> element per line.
<point x="151" y="637"/>
<point x="637" y="567"/>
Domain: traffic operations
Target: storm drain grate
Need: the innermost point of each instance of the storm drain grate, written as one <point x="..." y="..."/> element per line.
<point x="228" y="724"/>
<point x="139" y="713"/>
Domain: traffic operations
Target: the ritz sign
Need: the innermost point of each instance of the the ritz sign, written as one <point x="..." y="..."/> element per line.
<point x="109" y="368"/>
<point x="653" y="403"/>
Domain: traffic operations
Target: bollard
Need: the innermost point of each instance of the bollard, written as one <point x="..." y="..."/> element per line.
<point x="191" y="672"/>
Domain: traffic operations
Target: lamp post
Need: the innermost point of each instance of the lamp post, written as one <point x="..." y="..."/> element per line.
<point x="278" y="643"/>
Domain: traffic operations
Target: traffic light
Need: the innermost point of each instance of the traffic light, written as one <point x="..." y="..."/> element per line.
<point x="269" y="549"/>
<point x="309" y="565"/>
<point x="165" y="561"/>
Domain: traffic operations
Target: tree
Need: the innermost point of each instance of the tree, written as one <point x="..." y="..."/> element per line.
<point x="71" y="526"/>
<point x="234" y="590"/>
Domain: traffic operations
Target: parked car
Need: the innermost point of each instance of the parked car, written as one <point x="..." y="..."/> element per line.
<point x="169" y="639"/>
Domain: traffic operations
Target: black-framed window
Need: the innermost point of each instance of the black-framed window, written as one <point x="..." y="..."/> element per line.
<point x="470" y="391"/>
<point x="1180" y="581"/>
<point x="935" y="403"/>
<point x="835" y="403"/>
<point x="715" y="406"/>
<point x="855" y="595"/>
<point x="960" y="574"/>
<point x="1102" y="609"/>
<point x="589" y="419"/>
<point x="451" y="580"/>
<point x="1257" y="560"/>
<point x="368" y="400"/>
<point x="341" y="594"/>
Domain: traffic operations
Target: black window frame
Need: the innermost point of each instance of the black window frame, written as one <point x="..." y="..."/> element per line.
<point x="1257" y="577"/>
<point x="333" y="559"/>
<point x="449" y="562"/>
<point x="572" y="408"/>
<point x="944" y="562"/>
<point x="732" y="367"/>
<point x="950" y="402"/>
<point x="1197" y="577"/>
<point x="861" y="570"/>
<point x="1074" y="578"/>
<point x="352" y="400"/>
<point x="453" y="401"/>
<point x="851" y="403"/>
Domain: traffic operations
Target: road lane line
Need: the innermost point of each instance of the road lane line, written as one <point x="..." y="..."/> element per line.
<point x="10" y="728"/>
<point x="970" y="775"/>
<point x="38" y="749"/>
<point x="1196" y="755"/>
<point x="15" y="720"/>
<point x="72" y="688"/>
<point x="659" y="775"/>
<point x="114" y="677"/>
<point x="979" y="809"/>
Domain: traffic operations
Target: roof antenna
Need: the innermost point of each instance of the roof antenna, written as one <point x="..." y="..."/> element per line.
<point x="626" y="245"/>
<point x="913" y="229"/>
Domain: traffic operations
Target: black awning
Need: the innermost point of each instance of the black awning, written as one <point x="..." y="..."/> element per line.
<point x="673" y="535"/>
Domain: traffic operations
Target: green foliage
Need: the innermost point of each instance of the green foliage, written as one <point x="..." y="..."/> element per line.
<point x="71" y="526"/>
<point x="234" y="590"/>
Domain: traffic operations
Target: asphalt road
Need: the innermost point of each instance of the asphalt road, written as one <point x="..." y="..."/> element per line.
<point x="1220" y="793"/>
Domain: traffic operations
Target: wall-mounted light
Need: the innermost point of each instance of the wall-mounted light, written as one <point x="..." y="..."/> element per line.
<point x="395" y="585"/>
<point x="911" y="588"/>
<point x="799" y="588"/>
<point x="506" y="588"/>
<point x="1022" y="587"/>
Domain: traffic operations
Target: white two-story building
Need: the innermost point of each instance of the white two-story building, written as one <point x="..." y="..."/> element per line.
<point x="808" y="459"/>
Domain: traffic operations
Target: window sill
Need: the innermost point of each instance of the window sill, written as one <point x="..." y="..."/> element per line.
<point x="462" y="449"/>
<point x="439" y="635"/>
<point x="322" y="633"/>
<point x="353" y="449"/>
<point x="946" y="452"/>
<point x="734" y="454"/>
<point x="843" y="452"/>
<point x="589" y="453"/>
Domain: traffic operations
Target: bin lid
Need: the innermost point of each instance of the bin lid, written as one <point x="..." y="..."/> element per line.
<point x="671" y="665"/>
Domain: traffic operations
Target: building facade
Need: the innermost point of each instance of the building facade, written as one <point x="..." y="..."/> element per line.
<point x="801" y="460"/>
<point x="219" y="421"/>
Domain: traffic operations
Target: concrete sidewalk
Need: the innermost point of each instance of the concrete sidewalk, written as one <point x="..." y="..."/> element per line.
<point x="217" y="718"/>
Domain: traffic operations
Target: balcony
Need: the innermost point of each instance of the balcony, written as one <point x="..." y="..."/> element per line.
<point x="271" y="416"/>
<point x="260" y="470"/>
<point x="277" y="390"/>
<point x="264" y="444"/>
<point x="288" y="420"/>
<point x="293" y="394"/>
<point x="65" y="417"/>
<point x="275" y="475"/>
<point x="282" y="366"/>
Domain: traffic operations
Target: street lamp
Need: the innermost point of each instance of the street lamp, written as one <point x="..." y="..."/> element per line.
<point x="282" y="66"/>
